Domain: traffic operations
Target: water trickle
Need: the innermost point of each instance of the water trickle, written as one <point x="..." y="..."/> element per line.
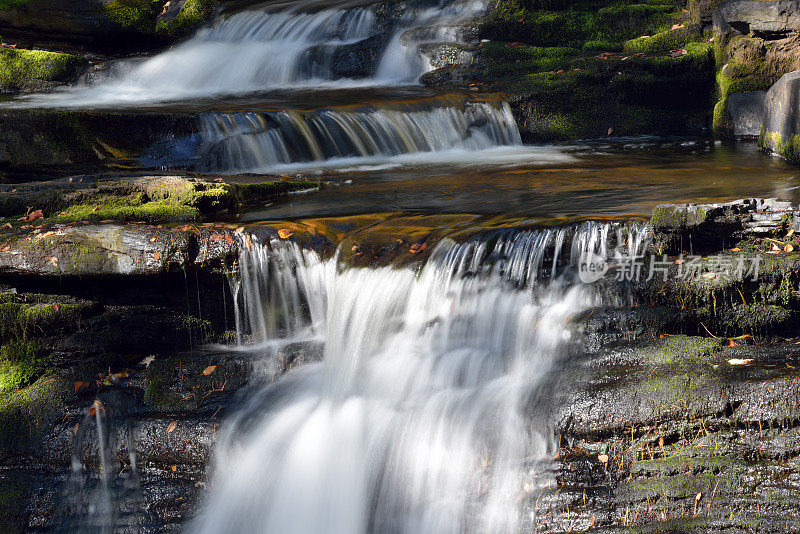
<point x="101" y="499"/>
<point x="420" y="417"/>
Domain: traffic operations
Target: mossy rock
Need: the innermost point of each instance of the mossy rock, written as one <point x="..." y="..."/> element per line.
<point x="192" y="13"/>
<point x="134" y="15"/>
<point x="35" y="70"/>
<point x="26" y="415"/>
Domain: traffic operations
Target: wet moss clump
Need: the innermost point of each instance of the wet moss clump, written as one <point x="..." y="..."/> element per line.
<point x="772" y="141"/>
<point x="22" y="321"/>
<point x="134" y="15"/>
<point x="662" y="43"/>
<point x="27" y="70"/>
<point x="192" y="14"/>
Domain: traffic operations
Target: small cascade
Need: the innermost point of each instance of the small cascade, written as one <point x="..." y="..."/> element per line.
<point x="425" y="413"/>
<point x="258" y="50"/>
<point x="252" y="142"/>
<point x="99" y="500"/>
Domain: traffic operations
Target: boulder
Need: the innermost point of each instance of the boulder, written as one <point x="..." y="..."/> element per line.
<point x="757" y="16"/>
<point x="781" y="117"/>
<point x="360" y="59"/>
<point x="767" y="18"/>
<point x="747" y="113"/>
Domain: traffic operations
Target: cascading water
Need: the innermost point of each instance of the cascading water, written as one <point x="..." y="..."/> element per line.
<point x="253" y="51"/>
<point x="252" y="141"/>
<point x="421" y="416"/>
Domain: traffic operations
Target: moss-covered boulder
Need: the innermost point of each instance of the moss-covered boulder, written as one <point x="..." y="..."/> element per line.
<point x="37" y="70"/>
<point x="105" y="25"/>
<point x="781" y="131"/>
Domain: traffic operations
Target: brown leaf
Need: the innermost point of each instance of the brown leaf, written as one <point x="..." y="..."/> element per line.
<point x="285" y="234"/>
<point x="157" y="255"/>
<point x="208" y="370"/>
<point x="35" y="214"/>
<point x="80" y="384"/>
<point x="171" y="427"/>
<point x="6" y="248"/>
<point x="228" y="238"/>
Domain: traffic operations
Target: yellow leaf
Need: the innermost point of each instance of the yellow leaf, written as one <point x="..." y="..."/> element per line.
<point x="285" y="234"/>
<point x="208" y="370"/>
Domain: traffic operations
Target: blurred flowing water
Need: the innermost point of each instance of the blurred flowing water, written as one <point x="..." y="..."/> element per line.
<point x="424" y="413"/>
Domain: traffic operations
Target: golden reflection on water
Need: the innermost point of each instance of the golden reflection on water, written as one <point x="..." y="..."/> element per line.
<point x="601" y="181"/>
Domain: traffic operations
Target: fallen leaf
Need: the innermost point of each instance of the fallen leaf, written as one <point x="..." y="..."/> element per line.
<point x="152" y="239"/>
<point x="171" y="427"/>
<point x="35" y="214"/>
<point x="285" y="234"/>
<point x="6" y="248"/>
<point x="610" y="130"/>
<point x="174" y="467"/>
<point x="709" y="275"/>
<point x="228" y="238"/>
<point x="80" y="384"/>
<point x="790" y="233"/>
<point x="788" y="248"/>
<point x="740" y="361"/>
<point x="677" y="26"/>
<point x="54" y="261"/>
<point x="56" y="307"/>
<point x="8" y="225"/>
<point x="157" y="255"/>
<point x="239" y="230"/>
<point x="737" y="249"/>
<point x="208" y="370"/>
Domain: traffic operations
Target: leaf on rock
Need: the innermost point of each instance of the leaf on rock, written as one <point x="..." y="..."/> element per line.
<point x="208" y="370"/>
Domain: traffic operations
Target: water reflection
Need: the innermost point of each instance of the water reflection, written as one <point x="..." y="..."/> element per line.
<point x="609" y="178"/>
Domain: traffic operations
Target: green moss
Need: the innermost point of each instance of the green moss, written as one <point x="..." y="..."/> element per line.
<point x="30" y="69"/>
<point x="675" y="217"/>
<point x="193" y="13"/>
<point x="661" y="43"/>
<point x="13" y="4"/>
<point x="132" y="208"/>
<point x="19" y="364"/>
<point x="134" y="15"/>
<point x="26" y="413"/>
<point x="772" y="141"/>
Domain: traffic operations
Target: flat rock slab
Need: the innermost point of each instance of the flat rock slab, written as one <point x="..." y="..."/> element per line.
<point x="114" y="249"/>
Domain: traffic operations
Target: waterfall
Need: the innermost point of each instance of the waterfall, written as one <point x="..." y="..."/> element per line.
<point x="422" y="416"/>
<point x="267" y="141"/>
<point x="258" y="50"/>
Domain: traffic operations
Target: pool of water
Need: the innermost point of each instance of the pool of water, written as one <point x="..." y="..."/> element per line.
<point x="603" y="178"/>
